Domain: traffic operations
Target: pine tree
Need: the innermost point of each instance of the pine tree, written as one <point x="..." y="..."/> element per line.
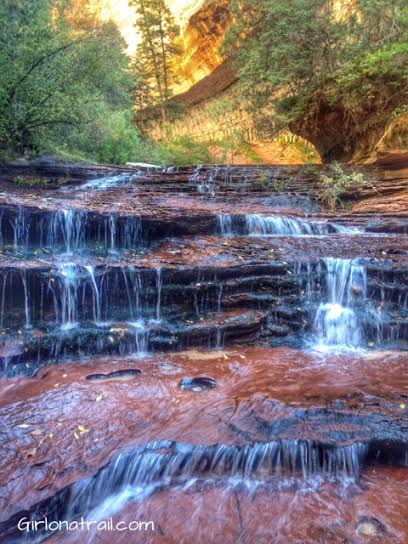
<point x="154" y="63"/>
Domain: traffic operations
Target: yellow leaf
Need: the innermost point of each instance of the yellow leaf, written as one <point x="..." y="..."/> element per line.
<point x="402" y="406"/>
<point x="83" y="429"/>
<point x="51" y="436"/>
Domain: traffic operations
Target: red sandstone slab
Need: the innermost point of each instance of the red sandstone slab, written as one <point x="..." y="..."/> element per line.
<point x="59" y="427"/>
<point x="375" y="511"/>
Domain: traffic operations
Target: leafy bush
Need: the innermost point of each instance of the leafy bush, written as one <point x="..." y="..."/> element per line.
<point x="337" y="183"/>
<point x="62" y="85"/>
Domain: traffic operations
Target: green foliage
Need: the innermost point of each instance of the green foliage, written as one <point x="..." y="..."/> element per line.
<point x="299" y="54"/>
<point x="179" y="151"/>
<point x="221" y="107"/>
<point x="235" y="144"/>
<point x="338" y="182"/>
<point x="62" y="87"/>
<point x="30" y="181"/>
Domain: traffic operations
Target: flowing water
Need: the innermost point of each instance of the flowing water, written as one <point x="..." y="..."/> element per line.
<point x="336" y="323"/>
<point x="233" y="372"/>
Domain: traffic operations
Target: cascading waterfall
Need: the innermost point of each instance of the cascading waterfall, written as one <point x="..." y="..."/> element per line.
<point x="108" y="182"/>
<point x="138" y="473"/>
<point x="112" y="228"/>
<point x="159" y="281"/>
<point x="336" y="323"/>
<point x="69" y="300"/>
<point x="265" y="225"/>
<point x="26" y="299"/>
<point x="204" y="186"/>
<point x="225" y="224"/>
<point x="68" y="230"/>
<point x="71" y="224"/>
<point x="261" y="225"/>
<point x="20" y="229"/>
<point x="95" y="294"/>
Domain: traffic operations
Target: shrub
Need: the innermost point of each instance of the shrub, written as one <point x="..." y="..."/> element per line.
<point x="338" y="182"/>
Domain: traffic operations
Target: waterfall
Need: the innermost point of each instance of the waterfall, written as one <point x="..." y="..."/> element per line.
<point x="266" y="225"/>
<point x="204" y="186"/>
<point x="69" y="277"/>
<point x="20" y="228"/>
<point x="95" y="294"/>
<point x="225" y="224"/>
<point x="140" y="472"/>
<point x="26" y="299"/>
<point x="261" y="225"/>
<point x="108" y="182"/>
<point x="336" y="323"/>
<point x="159" y="281"/>
<point x="112" y="228"/>
<point x="68" y="230"/>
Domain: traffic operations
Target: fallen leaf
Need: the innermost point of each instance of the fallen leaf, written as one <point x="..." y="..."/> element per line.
<point x="37" y="431"/>
<point x="83" y="429"/>
<point x="23" y="426"/>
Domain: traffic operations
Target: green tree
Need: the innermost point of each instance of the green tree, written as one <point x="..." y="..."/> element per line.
<point x="58" y="81"/>
<point x="153" y="67"/>
<point x="301" y="61"/>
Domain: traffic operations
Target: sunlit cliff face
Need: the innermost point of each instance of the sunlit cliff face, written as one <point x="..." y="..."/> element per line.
<point x="124" y="15"/>
<point x="200" y="35"/>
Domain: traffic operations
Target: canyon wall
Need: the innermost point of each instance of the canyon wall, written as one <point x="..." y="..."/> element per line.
<point x="202" y="36"/>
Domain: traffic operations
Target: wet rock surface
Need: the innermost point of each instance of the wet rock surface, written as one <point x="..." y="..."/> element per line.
<point x="59" y="428"/>
<point x="208" y="341"/>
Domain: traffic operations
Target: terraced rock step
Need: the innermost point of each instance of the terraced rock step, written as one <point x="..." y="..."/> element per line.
<point x="25" y="352"/>
<point x="54" y="309"/>
<point x="145" y="319"/>
<point x="374" y="510"/>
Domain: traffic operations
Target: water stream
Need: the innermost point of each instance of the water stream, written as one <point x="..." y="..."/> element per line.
<point x="336" y="322"/>
<point x="191" y="355"/>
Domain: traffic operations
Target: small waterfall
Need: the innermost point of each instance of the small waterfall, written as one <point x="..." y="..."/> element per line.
<point x="159" y="281"/>
<point x="336" y="323"/>
<point x="225" y="224"/>
<point x="72" y="224"/>
<point x="20" y="229"/>
<point x="68" y="230"/>
<point x="108" y="182"/>
<point x="26" y="300"/>
<point x="112" y="229"/>
<point x="133" y="286"/>
<point x="204" y="186"/>
<point x="140" y="472"/>
<point x="69" y="277"/>
<point x="95" y="294"/>
<point x="266" y="225"/>
<point x="141" y="334"/>
<point x="261" y="225"/>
